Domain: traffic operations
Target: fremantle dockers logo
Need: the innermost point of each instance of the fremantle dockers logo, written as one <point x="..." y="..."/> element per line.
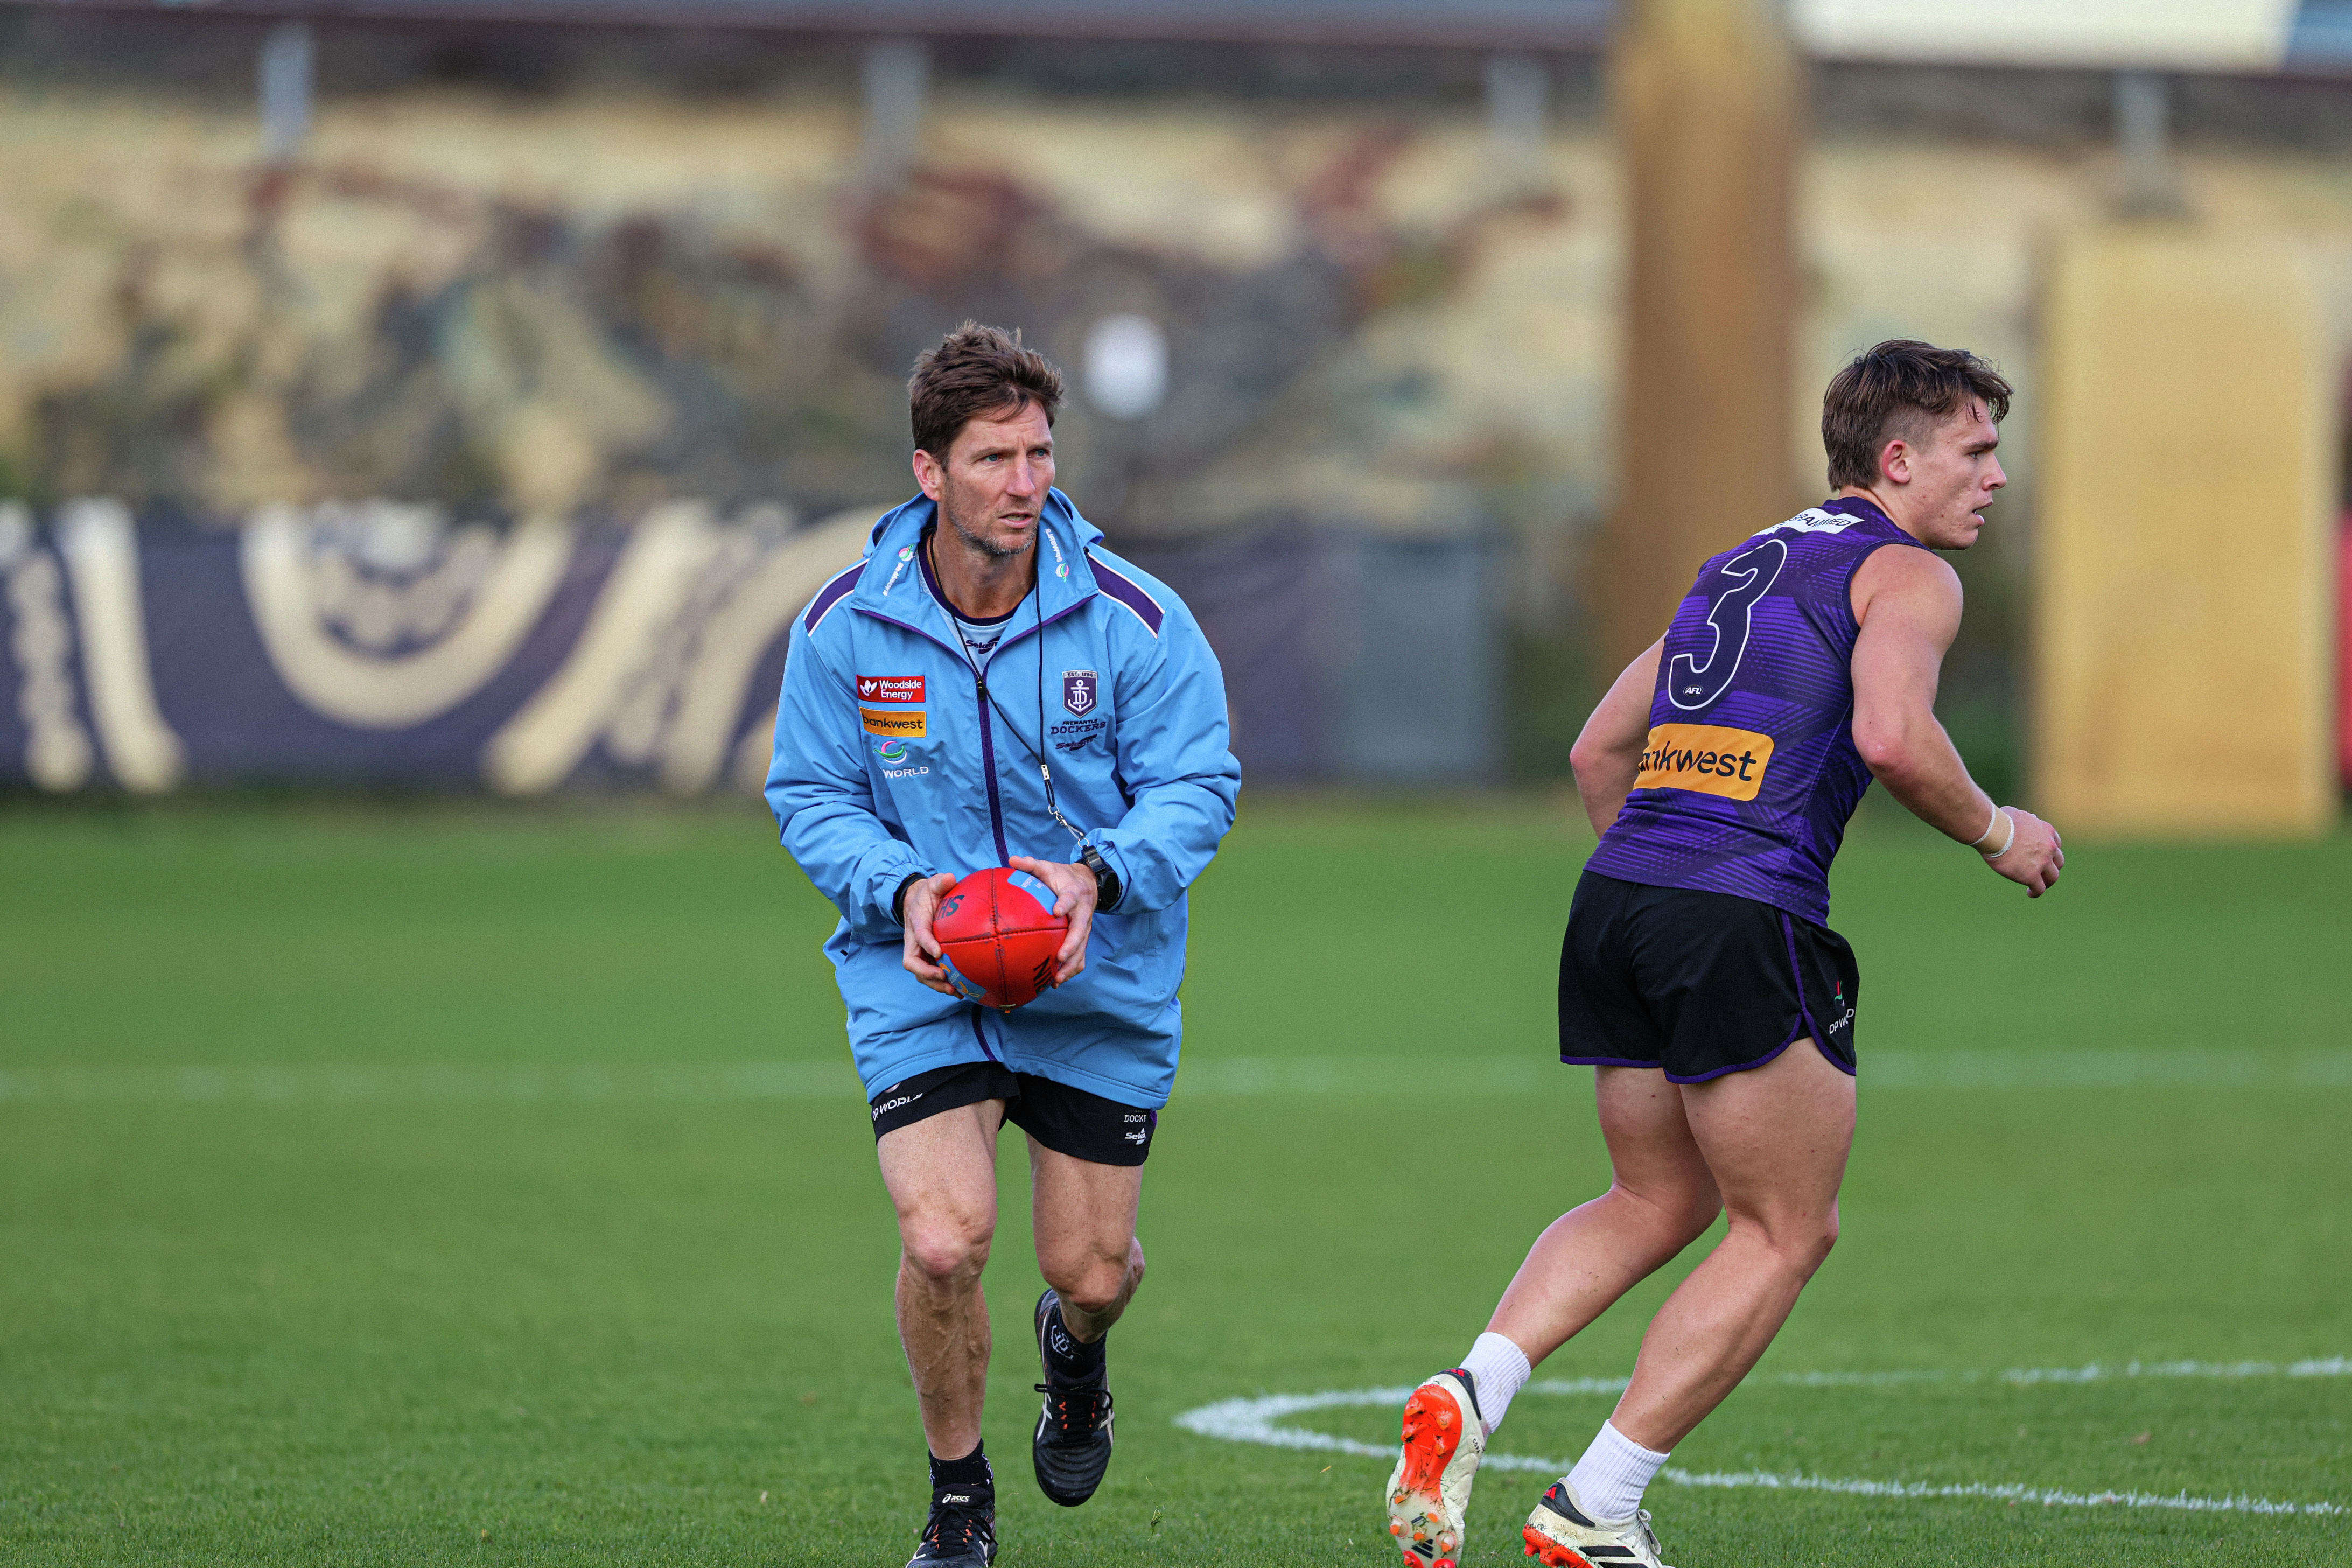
<point x="1078" y="690"/>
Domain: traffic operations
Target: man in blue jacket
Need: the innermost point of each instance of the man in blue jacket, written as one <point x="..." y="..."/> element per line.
<point x="989" y="687"/>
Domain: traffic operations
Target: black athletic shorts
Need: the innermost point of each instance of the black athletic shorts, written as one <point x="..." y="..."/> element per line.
<point x="1699" y="983"/>
<point x="1067" y="1120"/>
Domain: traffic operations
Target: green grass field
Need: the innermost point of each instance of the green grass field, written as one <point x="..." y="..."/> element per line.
<point x="454" y="1184"/>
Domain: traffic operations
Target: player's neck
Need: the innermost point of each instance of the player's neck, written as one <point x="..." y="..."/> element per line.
<point x="1883" y="502"/>
<point x="978" y="586"/>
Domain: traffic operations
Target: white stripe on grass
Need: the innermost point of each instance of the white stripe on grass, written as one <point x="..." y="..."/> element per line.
<point x="1241" y="1077"/>
<point x="2049" y="1497"/>
<point x="1260" y="1421"/>
<point x="468" y="1082"/>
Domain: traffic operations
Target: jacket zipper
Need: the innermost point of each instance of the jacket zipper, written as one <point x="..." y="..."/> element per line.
<point x="987" y="730"/>
<point x="988" y="765"/>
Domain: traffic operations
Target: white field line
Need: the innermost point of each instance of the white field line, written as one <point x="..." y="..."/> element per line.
<point x="466" y="1082"/>
<point x="1889" y="1070"/>
<point x="1259" y="1421"/>
<point x="1241" y="1077"/>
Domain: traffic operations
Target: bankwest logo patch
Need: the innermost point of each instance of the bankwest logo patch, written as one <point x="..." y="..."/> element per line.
<point x="1708" y="758"/>
<point x="889" y="688"/>
<point x="907" y="725"/>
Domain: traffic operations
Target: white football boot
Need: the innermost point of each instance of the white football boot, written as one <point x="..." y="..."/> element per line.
<point x="1429" y="1493"/>
<point x="1563" y="1533"/>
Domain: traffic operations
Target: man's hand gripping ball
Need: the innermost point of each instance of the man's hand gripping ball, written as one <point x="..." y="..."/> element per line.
<point x="1005" y="944"/>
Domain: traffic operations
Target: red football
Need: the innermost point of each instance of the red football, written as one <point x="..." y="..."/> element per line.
<point x="999" y="936"/>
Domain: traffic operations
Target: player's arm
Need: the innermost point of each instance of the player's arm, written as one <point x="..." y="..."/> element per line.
<point x="1176" y="761"/>
<point x="824" y="801"/>
<point x="1607" y="756"/>
<point x="1908" y="604"/>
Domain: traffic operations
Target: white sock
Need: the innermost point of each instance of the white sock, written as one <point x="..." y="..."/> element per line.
<point x="1611" y="1476"/>
<point x="1498" y="1369"/>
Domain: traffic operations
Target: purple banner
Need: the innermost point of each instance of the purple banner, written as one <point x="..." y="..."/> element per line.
<point x="376" y="642"/>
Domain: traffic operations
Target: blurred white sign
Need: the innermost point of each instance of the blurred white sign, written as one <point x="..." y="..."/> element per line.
<point x="2194" y="34"/>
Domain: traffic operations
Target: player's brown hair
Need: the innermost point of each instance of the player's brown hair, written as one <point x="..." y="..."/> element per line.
<point x="976" y="370"/>
<point x="1896" y="388"/>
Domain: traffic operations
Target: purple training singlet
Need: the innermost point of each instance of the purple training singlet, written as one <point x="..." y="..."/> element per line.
<point x="1751" y="772"/>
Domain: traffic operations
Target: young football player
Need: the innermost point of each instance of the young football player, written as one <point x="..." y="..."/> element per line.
<point x="1699" y="977"/>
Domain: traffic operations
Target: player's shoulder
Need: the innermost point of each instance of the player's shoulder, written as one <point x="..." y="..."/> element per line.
<point x="827" y="605"/>
<point x="1909" y="574"/>
<point x="1140" y="598"/>
<point x="1901" y="562"/>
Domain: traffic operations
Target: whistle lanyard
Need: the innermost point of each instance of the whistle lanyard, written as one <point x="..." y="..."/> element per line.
<point x="979" y="680"/>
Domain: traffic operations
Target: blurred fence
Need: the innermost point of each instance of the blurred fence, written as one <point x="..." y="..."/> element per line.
<point x="375" y="644"/>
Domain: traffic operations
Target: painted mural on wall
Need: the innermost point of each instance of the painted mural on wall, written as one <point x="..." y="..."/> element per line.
<point x="593" y="307"/>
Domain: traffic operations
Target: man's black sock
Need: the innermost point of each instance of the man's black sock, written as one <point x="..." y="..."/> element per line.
<point x="1071" y="1362"/>
<point x="970" y="1474"/>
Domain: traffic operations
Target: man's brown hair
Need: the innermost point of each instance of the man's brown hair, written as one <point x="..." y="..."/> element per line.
<point x="976" y="371"/>
<point x="1897" y="389"/>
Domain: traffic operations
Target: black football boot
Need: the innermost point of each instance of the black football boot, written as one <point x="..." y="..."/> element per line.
<point x="962" y="1530"/>
<point x="1072" y="1447"/>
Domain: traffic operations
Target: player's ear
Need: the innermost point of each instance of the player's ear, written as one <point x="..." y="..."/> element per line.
<point x="929" y="473"/>
<point x="1894" y="461"/>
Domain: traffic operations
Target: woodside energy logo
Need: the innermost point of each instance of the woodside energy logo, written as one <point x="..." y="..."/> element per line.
<point x="1711" y="759"/>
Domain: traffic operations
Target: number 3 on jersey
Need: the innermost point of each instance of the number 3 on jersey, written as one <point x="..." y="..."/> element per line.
<point x="1692" y="683"/>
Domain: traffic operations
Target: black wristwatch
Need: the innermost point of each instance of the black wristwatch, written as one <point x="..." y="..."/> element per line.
<point x="1106" y="886"/>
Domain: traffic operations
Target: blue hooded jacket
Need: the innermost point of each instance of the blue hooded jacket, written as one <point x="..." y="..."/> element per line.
<point x="890" y="762"/>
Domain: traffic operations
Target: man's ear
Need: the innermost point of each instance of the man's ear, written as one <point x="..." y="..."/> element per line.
<point x="1894" y="461"/>
<point x="929" y="473"/>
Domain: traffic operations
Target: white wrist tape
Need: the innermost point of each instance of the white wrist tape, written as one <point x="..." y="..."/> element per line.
<point x="2006" y="843"/>
<point x="1991" y="823"/>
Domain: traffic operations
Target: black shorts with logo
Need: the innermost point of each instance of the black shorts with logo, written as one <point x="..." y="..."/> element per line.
<point x="1699" y="983"/>
<point x="1067" y="1120"/>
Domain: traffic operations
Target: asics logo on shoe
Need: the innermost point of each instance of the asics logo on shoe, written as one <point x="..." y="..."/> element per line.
<point x="953" y="1497"/>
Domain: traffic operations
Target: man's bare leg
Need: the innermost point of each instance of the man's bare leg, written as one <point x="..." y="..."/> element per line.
<point x="1776" y="1140"/>
<point x="1084" y="1215"/>
<point x="942" y="1176"/>
<point x="1661" y="1198"/>
<point x="1773" y="1140"/>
